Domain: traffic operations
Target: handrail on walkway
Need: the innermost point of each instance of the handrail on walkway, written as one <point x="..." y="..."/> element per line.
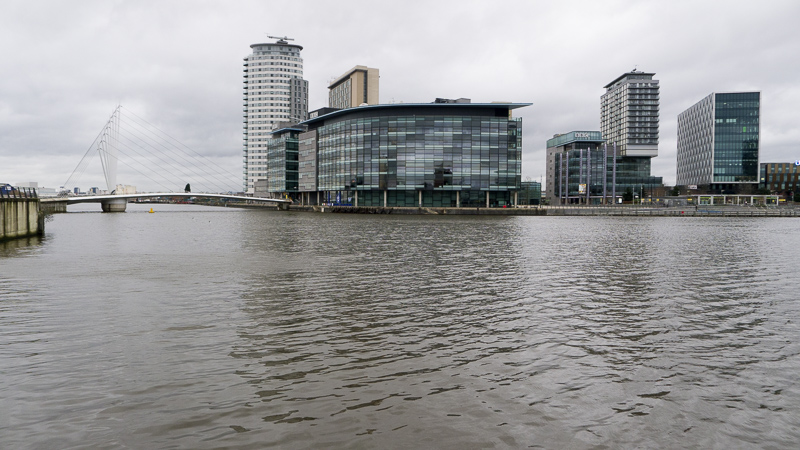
<point x="8" y="191"/>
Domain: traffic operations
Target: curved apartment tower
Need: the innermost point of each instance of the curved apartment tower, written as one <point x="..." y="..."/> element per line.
<point x="275" y="94"/>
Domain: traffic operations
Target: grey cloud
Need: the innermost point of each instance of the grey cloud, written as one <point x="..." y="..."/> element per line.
<point x="66" y="65"/>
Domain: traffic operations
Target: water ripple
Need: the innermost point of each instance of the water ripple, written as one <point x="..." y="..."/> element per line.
<point x="300" y="330"/>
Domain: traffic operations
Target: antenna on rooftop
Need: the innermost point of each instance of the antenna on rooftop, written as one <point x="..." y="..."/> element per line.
<point x="281" y="40"/>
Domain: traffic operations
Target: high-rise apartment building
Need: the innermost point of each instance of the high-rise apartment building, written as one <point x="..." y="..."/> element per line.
<point x="629" y="114"/>
<point x="357" y="86"/>
<point x="718" y="142"/>
<point x="275" y="93"/>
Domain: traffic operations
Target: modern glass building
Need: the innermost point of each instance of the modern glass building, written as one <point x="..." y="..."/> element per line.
<point x="423" y="154"/>
<point x="530" y="193"/>
<point x="275" y="93"/>
<point x="307" y="162"/>
<point x="718" y="142"/>
<point x="583" y="169"/>
<point x="282" y="163"/>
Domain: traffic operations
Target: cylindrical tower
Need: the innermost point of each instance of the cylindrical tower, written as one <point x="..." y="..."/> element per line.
<point x="275" y="95"/>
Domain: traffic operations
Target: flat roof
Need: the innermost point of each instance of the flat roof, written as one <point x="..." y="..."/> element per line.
<point x="342" y="112"/>
<point x="575" y="136"/>
<point x="347" y="74"/>
<point x="283" y="130"/>
<point x="300" y="47"/>
<point x="625" y="75"/>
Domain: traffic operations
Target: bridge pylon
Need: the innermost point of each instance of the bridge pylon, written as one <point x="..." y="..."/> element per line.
<point x="107" y="147"/>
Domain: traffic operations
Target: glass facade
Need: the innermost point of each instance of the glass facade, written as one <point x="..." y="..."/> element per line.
<point x="282" y="163"/>
<point x="445" y="156"/>
<point x="736" y="137"/>
<point x="530" y="193"/>
<point x="584" y="172"/>
<point x="307" y="161"/>
<point x="581" y="172"/>
<point x="718" y="142"/>
<point x="575" y="136"/>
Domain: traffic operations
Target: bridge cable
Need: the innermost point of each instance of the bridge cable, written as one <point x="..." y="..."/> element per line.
<point x="163" y="157"/>
<point x="140" y="173"/>
<point x="84" y="162"/>
<point x="150" y="158"/>
<point x="188" y="158"/>
<point x="178" y="142"/>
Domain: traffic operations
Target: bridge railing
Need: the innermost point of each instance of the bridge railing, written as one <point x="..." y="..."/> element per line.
<point x="8" y="191"/>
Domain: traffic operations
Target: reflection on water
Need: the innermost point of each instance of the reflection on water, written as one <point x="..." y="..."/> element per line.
<point x="206" y="328"/>
<point x="19" y="247"/>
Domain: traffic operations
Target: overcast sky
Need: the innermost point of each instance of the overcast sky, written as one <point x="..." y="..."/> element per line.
<point x="64" y="66"/>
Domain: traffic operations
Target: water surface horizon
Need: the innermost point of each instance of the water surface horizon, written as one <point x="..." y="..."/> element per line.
<point x="200" y="327"/>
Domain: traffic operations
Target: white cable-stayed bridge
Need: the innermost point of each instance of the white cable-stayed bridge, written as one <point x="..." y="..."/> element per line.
<point x="148" y="153"/>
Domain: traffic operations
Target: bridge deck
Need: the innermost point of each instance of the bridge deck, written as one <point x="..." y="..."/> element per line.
<point x="101" y="198"/>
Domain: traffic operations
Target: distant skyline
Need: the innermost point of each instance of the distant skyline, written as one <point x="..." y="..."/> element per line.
<point x="66" y="65"/>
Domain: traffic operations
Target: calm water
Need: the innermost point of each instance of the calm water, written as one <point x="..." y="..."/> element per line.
<point x="207" y="327"/>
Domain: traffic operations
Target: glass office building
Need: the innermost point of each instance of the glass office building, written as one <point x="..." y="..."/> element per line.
<point x="282" y="163"/>
<point x="583" y="169"/>
<point x="718" y="142"/>
<point x="530" y="193"/>
<point x="428" y="154"/>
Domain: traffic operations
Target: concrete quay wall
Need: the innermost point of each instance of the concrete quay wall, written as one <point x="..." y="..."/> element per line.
<point x="53" y="205"/>
<point x="19" y="218"/>
<point x="688" y="211"/>
<point x="711" y="211"/>
<point x="420" y="210"/>
<point x="627" y="210"/>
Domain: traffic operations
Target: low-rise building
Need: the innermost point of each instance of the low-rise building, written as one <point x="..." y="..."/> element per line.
<point x="530" y="193"/>
<point x="781" y="178"/>
<point x="414" y="154"/>
<point x="282" y="164"/>
<point x="583" y="169"/>
<point x="123" y="189"/>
